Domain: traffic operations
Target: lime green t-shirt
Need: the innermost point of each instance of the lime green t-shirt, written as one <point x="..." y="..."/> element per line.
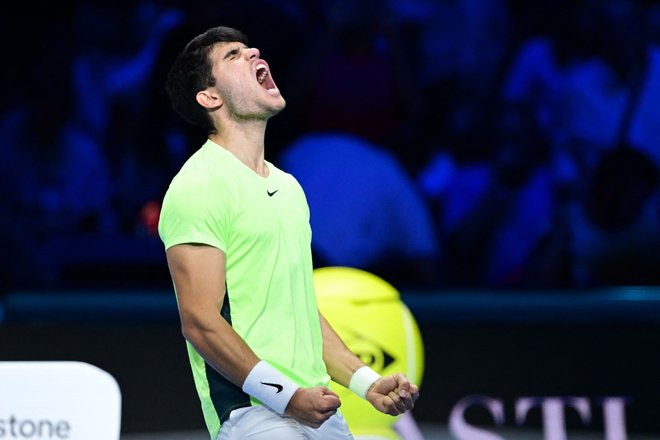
<point x="262" y="226"/>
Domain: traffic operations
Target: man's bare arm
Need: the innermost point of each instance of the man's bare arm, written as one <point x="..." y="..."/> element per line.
<point x="339" y="360"/>
<point x="198" y="272"/>
<point x="392" y="394"/>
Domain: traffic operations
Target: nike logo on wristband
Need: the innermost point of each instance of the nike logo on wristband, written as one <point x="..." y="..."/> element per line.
<point x="277" y="386"/>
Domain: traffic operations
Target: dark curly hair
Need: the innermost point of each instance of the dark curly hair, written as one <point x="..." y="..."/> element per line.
<point x="192" y="72"/>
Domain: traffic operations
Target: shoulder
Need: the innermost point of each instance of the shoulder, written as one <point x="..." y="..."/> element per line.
<point x="283" y="176"/>
<point x="198" y="189"/>
<point x="202" y="172"/>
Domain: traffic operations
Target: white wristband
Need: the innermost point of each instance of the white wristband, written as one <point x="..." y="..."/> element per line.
<point x="269" y="386"/>
<point x="362" y="380"/>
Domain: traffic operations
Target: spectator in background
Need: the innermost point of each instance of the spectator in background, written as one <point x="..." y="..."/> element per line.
<point x="57" y="172"/>
<point x="615" y="227"/>
<point x="592" y="82"/>
<point x="603" y="92"/>
<point x="456" y="51"/>
<point x="644" y="131"/>
<point x="366" y="211"/>
<point x="355" y="79"/>
<point x="458" y="183"/>
<point x="528" y="246"/>
<point x="54" y="176"/>
<point x="537" y="78"/>
<point x="110" y="69"/>
<point x="495" y="200"/>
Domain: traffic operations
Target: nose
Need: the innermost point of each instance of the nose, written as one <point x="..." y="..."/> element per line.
<point x="252" y="53"/>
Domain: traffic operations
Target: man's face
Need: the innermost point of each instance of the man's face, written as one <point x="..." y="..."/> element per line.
<point x="244" y="82"/>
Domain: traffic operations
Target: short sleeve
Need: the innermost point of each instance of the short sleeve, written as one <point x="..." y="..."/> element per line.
<point x="195" y="210"/>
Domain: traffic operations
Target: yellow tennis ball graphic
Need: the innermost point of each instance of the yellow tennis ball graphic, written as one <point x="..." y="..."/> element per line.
<point x="368" y="314"/>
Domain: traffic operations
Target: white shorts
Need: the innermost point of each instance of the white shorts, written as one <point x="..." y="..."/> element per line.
<point x="261" y="423"/>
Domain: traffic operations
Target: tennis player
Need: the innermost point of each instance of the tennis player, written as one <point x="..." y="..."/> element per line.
<point x="238" y="243"/>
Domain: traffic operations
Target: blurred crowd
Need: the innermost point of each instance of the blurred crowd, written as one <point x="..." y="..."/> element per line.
<point x="441" y="143"/>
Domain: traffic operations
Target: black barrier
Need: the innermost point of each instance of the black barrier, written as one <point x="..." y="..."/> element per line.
<point x="566" y="377"/>
<point x="550" y="363"/>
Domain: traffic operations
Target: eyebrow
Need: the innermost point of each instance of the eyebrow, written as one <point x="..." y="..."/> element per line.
<point x="233" y="52"/>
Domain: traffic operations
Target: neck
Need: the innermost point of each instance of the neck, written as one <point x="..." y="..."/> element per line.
<point x="245" y="140"/>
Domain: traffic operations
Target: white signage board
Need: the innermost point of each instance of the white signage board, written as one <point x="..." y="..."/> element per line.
<point x="58" y="400"/>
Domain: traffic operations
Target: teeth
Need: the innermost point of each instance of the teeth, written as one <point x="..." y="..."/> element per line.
<point x="262" y="76"/>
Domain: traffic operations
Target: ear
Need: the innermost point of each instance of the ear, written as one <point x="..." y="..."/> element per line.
<point x="209" y="99"/>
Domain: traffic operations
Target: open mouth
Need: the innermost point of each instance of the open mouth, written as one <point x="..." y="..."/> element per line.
<point x="264" y="78"/>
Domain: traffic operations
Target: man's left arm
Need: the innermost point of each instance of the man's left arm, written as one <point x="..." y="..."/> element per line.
<point x="393" y="394"/>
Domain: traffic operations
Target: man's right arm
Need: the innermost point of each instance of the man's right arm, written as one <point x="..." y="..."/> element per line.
<point x="199" y="274"/>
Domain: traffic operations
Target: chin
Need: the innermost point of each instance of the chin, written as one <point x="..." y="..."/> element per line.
<point x="279" y="107"/>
